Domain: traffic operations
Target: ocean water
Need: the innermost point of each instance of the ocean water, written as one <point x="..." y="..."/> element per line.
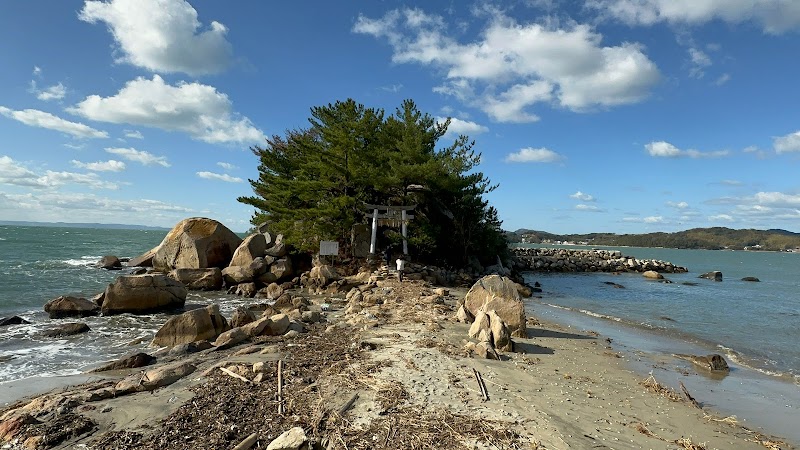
<point x="38" y="264"/>
<point x="753" y="324"/>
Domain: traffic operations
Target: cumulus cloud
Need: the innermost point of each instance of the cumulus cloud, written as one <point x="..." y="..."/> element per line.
<point x="140" y="156"/>
<point x="462" y="127"/>
<point x="512" y="66"/>
<point x="15" y="173"/>
<point x="100" y="166"/>
<point x="662" y="149"/>
<point x="534" y="155"/>
<point x="774" y="16"/>
<point x="219" y="176"/>
<point x="193" y="108"/>
<point x="227" y="166"/>
<point x="721" y="218"/>
<point x="582" y="197"/>
<point x="55" y="92"/>
<point x="648" y="219"/>
<point x="788" y="144"/>
<point x="162" y="35"/>
<point x="41" y="119"/>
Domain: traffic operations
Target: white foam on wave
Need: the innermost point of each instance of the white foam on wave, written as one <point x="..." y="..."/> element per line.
<point x="84" y="261"/>
<point x="734" y="356"/>
<point x="598" y="315"/>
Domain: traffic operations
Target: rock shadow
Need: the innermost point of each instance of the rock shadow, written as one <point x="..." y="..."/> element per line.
<point x="532" y="349"/>
<point x="537" y="332"/>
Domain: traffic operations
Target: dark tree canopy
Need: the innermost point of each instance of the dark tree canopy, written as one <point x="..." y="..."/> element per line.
<point x="314" y="182"/>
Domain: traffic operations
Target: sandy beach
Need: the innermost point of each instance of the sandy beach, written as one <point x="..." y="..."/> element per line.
<point x="392" y="375"/>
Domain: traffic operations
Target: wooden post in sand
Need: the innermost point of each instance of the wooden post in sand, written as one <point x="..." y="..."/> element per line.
<point x="280" y="386"/>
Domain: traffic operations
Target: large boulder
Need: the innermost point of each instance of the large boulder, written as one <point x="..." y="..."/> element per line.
<point x="66" y="306"/>
<point x="13" y="320"/>
<point x="142" y="294"/>
<point x="322" y="275"/>
<point x="143" y="260"/>
<point x="195" y="325"/>
<point x="282" y="269"/>
<point x="715" y="275"/>
<point x="252" y="247"/>
<point x="154" y="378"/>
<point x="500" y="294"/>
<point x="653" y="275"/>
<point x="128" y="362"/>
<point x="109" y="262"/>
<point x="67" y="329"/>
<point x="199" y="279"/>
<point x="196" y="243"/>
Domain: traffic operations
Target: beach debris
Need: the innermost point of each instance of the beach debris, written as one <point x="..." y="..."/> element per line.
<point x="192" y="326"/>
<point x="248" y="442"/>
<point x="233" y="374"/>
<point x="67" y="329"/>
<point x="67" y="306"/>
<point x="128" y="362"/>
<point x="280" y="387"/>
<point x="481" y="384"/>
<point x="715" y="275"/>
<point x="689" y="396"/>
<point x="654" y="386"/>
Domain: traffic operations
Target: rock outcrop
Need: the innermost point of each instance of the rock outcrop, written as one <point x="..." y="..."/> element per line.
<point x="196" y="243"/>
<point x="494" y="292"/>
<point x="66" y="306"/>
<point x="67" y="329"/>
<point x="199" y="279"/>
<point x="715" y="275"/>
<point x="109" y="262"/>
<point x="575" y="260"/>
<point x="141" y="294"/>
<point x="252" y="247"/>
<point x="195" y="325"/>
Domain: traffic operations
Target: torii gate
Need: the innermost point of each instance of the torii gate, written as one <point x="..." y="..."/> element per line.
<point x="393" y="216"/>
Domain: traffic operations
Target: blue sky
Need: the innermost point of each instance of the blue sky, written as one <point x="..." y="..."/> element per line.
<point x="592" y="115"/>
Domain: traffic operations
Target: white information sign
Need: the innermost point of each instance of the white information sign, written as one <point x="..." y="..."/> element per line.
<point x="328" y="248"/>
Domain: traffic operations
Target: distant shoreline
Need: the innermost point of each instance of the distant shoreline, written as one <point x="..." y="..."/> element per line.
<point x="109" y="226"/>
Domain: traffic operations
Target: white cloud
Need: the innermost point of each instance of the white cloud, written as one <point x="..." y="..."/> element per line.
<point x="55" y="92"/>
<point x="774" y="16"/>
<point x="534" y="155"/>
<point x="662" y="149"/>
<point x="162" y="35"/>
<point x="14" y="173"/>
<point x="588" y="208"/>
<point x="395" y="88"/>
<point x="41" y="119"/>
<point x="219" y="176"/>
<point x="787" y="144"/>
<point x="653" y="219"/>
<point x="678" y="205"/>
<point x="724" y="78"/>
<point x="134" y="134"/>
<point x="582" y="197"/>
<point x="458" y="127"/>
<point x="700" y="61"/>
<point x="227" y="166"/>
<point x="722" y="218"/>
<point x="100" y="166"/>
<point x="193" y="108"/>
<point x="140" y="156"/>
<point x="517" y="65"/>
<point x="37" y="71"/>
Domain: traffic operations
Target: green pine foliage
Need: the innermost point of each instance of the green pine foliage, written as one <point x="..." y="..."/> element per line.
<point x="314" y="182"/>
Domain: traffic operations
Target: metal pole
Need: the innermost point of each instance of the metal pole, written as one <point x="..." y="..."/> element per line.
<point x="374" y="231"/>
<point x="403" y="230"/>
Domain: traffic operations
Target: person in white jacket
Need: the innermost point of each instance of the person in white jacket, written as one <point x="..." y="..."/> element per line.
<point x="401" y="265"/>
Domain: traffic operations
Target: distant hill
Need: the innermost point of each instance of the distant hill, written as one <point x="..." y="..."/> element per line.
<point x="113" y="226"/>
<point x="716" y="238"/>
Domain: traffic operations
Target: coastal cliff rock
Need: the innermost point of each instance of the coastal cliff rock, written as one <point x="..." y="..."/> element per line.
<point x="500" y="294"/>
<point x="191" y="326"/>
<point x="196" y="243"/>
<point x="66" y="306"/>
<point x="143" y="260"/>
<point x="140" y="294"/>
<point x="199" y="279"/>
<point x="252" y="247"/>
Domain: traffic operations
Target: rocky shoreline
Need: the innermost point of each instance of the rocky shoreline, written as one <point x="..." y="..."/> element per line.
<point x="578" y="260"/>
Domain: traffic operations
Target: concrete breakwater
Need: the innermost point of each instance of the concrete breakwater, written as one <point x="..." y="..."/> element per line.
<point x="574" y="260"/>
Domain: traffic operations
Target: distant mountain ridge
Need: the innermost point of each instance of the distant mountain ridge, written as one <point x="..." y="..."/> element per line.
<point x="113" y="226"/>
<point x="715" y="238"/>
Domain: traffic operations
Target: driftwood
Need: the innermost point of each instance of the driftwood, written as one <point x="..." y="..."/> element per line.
<point x="348" y="405"/>
<point x="247" y="443"/>
<point x="689" y="396"/>
<point x="481" y="384"/>
<point x="280" y="386"/>
<point x="234" y="375"/>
